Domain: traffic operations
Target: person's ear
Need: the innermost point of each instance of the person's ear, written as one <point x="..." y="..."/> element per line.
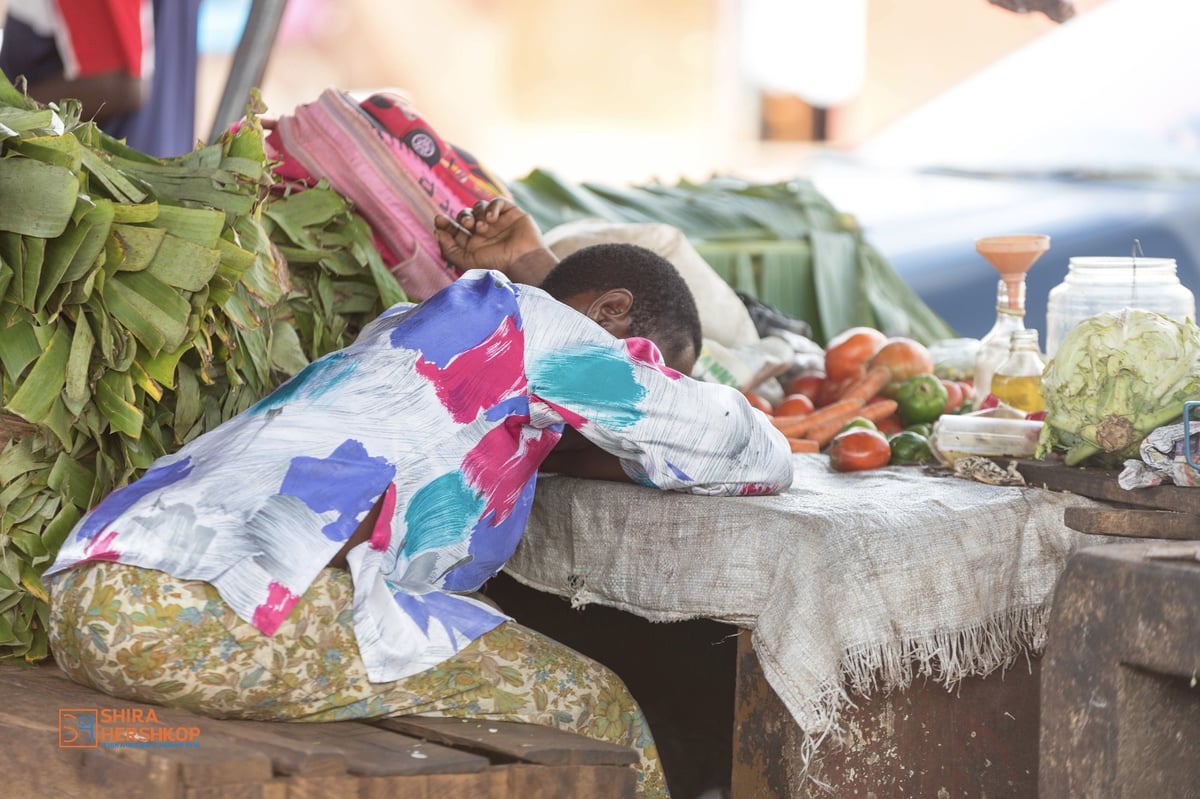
<point x="611" y="311"/>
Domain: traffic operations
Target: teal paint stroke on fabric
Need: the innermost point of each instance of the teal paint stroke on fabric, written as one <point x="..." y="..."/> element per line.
<point x="595" y="382"/>
<point x="441" y="513"/>
<point x="318" y="378"/>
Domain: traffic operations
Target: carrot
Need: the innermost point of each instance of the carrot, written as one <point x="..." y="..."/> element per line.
<point x="798" y="426"/>
<point x="870" y="384"/>
<point x="804" y="445"/>
<point x="874" y="412"/>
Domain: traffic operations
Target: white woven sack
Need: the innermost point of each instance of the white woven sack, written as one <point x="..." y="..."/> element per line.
<point x="723" y="317"/>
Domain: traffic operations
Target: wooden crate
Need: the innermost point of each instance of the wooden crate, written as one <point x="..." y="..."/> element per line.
<point x="410" y="758"/>
<point x="979" y="740"/>
<point x="1120" y="698"/>
<point x="1165" y="511"/>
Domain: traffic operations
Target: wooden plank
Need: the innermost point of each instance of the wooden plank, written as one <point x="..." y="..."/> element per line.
<point x="36" y="767"/>
<point x="211" y="764"/>
<point x="1102" y="484"/>
<point x="527" y="781"/>
<point x="39" y="693"/>
<point x="45" y="689"/>
<point x="288" y="755"/>
<point x="257" y="790"/>
<point x="1134" y="523"/>
<point x="425" y="786"/>
<point x="235" y="751"/>
<point x="531" y="743"/>
<point x="374" y="752"/>
<point x="303" y="787"/>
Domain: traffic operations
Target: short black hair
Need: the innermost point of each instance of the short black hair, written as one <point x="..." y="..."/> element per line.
<point x="663" y="307"/>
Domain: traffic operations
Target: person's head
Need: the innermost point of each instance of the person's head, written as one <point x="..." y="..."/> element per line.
<point x="631" y="291"/>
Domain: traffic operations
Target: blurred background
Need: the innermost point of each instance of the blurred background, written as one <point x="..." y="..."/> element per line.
<point x="932" y="122"/>
<point x="625" y="90"/>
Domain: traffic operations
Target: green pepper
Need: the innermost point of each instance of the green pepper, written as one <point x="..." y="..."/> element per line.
<point x="858" y="421"/>
<point x="910" y="448"/>
<point x="921" y="399"/>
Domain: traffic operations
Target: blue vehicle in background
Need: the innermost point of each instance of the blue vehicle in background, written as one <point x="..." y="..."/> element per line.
<point x="1091" y="135"/>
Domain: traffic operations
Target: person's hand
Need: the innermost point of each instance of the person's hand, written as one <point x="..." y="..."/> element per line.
<point x="495" y="235"/>
<point x="575" y="456"/>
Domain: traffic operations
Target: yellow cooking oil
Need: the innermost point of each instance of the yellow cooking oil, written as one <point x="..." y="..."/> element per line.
<point x="1023" y="392"/>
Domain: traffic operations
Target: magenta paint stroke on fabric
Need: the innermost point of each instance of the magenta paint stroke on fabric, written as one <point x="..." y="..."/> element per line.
<point x="101" y="548"/>
<point x="270" y="614"/>
<point x="502" y="463"/>
<point x="644" y="351"/>
<point x="381" y="534"/>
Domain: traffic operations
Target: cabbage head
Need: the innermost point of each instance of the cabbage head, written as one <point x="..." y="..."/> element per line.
<point x="1114" y="378"/>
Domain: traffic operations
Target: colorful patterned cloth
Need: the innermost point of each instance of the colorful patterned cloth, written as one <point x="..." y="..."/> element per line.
<point x="440" y="415"/>
<point x="390" y="162"/>
<point x="140" y="634"/>
<point x="155" y="40"/>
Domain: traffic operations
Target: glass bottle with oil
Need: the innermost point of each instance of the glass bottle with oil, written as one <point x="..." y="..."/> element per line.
<point x="1018" y="381"/>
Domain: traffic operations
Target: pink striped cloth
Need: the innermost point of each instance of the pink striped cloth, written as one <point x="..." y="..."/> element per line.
<point x="387" y="160"/>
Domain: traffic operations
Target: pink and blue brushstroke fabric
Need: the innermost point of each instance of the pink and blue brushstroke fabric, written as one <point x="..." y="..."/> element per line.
<point x="442" y="413"/>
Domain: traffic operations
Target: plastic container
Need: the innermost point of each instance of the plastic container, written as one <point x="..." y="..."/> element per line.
<point x="954" y="358"/>
<point x="1099" y="285"/>
<point x="983" y="434"/>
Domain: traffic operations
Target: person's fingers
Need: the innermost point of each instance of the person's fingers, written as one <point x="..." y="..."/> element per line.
<point x="445" y="242"/>
<point x="480" y="209"/>
<point x="443" y="224"/>
<point x="495" y="208"/>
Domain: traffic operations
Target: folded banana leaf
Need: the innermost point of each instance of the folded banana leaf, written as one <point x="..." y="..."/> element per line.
<point x="782" y="243"/>
<point x="143" y="301"/>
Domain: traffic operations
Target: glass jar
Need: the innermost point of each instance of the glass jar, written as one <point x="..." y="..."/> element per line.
<point x="1098" y="285"/>
<point x="993" y="347"/>
<point x="1018" y="381"/>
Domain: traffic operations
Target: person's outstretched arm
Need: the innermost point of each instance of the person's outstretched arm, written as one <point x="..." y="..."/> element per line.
<point x="644" y="422"/>
<point x="495" y="235"/>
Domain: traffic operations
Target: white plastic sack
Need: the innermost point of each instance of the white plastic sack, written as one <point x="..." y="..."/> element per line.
<point x="723" y="317"/>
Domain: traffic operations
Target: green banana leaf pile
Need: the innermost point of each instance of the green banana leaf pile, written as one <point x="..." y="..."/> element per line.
<point x="143" y="302"/>
<point x="782" y="243"/>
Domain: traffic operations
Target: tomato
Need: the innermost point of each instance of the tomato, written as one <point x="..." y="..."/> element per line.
<point x="848" y="351"/>
<point x="832" y="390"/>
<point x="954" y="395"/>
<point x="808" y="383"/>
<point x="910" y="447"/>
<point x="760" y="402"/>
<point x="921" y="399"/>
<point x="906" y="358"/>
<point x="890" y="425"/>
<point x="858" y="449"/>
<point x="968" y="389"/>
<point x="795" y="405"/>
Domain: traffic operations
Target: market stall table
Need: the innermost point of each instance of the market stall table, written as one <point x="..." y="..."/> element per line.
<point x="852" y="585"/>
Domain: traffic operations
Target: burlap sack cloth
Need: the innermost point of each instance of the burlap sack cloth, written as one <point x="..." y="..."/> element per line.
<point x="852" y="583"/>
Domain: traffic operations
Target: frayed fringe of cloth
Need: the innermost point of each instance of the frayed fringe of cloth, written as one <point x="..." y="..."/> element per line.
<point x="947" y="658"/>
